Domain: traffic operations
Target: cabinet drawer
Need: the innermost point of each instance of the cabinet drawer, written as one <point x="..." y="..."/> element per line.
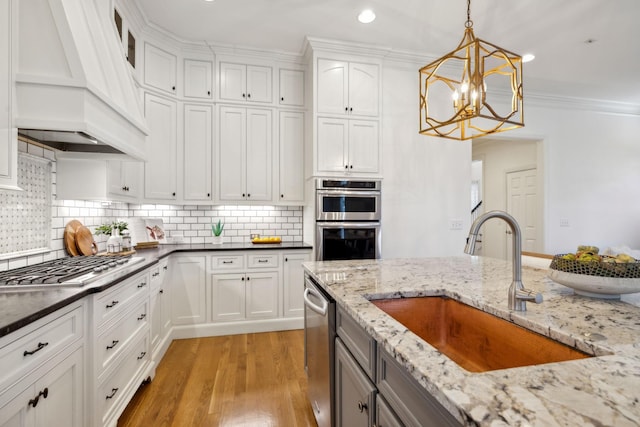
<point x="122" y="381"/>
<point x="262" y="261"/>
<point x="158" y="272"/>
<point x="108" y="304"/>
<point x="115" y="340"/>
<point x="28" y="351"/>
<point x="409" y="400"/>
<point x="359" y="343"/>
<point x="227" y="262"/>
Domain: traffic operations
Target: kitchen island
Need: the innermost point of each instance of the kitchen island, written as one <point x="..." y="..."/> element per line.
<point x="597" y="391"/>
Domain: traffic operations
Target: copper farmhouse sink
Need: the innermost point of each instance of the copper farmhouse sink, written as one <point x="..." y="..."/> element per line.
<point x="475" y="340"/>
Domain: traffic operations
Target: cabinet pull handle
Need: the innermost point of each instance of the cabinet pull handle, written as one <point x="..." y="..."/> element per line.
<point x="157" y="273"/>
<point x="165" y="267"/>
<point x="263" y="260"/>
<point x="113" y="393"/>
<point x="142" y="285"/>
<point x="113" y="304"/>
<point x="144" y="353"/>
<point x="362" y="407"/>
<point x="41" y="345"/>
<point x="227" y="262"/>
<point x="113" y="344"/>
<point x="44" y="393"/>
<point x="142" y="316"/>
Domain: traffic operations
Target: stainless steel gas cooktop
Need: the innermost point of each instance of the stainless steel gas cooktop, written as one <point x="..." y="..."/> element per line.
<point x="71" y="271"/>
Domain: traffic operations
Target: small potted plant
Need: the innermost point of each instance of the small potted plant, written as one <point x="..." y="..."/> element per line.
<point x="107" y="228"/>
<point x="216" y="229"/>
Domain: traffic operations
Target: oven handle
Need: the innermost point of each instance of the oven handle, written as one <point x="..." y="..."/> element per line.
<point x="320" y="310"/>
<point x="350" y="193"/>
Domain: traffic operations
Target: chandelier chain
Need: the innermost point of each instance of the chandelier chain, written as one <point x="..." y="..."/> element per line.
<point x="469" y="22"/>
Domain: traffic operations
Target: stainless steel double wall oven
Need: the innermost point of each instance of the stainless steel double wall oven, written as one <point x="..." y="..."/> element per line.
<point x="347" y="219"/>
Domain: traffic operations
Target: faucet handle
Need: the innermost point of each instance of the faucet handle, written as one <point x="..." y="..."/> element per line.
<point x="529" y="295"/>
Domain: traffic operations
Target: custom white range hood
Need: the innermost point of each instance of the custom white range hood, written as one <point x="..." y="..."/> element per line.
<point x="73" y="81"/>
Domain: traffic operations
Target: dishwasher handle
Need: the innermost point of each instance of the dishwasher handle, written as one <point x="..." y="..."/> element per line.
<point x="320" y="310"/>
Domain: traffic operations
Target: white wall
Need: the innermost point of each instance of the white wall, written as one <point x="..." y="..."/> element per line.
<point x="426" y="180"/>
<point x="592" y="175"/>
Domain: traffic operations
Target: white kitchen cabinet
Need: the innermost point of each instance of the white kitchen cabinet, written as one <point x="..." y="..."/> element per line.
<point x="197" y="152"/>
<point x="291" y="151"/>
<point x="244" y="156"/>
<point x="348" y="88"/>
<point x="160" y="174"/>
<point x="160" y="68"/>
<point x="293" y="283"/>
<point x="52" y="398"/>
<point x="123" y="178"/>
<point x="247" y="83"/>
<point x="262" y="294"/>
<point x="291" y="87"/>
<point x="198" y="78"/>
<point x="348" y="146"/>
<point x="8" y="134"/>
<point x="228" y="297"/>
<point x="187" y="275"/>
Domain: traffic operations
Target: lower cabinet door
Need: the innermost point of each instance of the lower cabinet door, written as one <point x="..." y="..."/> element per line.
<point x="227" y="297"/>
<point x="384" y="415"/>
<point x="262" y="295"/>
<point x="54" y="399"/>
<point x="354" y="392"/>
<point x="188" y="290"/>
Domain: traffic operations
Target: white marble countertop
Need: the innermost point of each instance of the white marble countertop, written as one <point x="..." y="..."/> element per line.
<point x="598" y="391"/>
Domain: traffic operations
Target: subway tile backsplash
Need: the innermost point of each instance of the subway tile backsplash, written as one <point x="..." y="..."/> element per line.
<point x="183" y="224"/>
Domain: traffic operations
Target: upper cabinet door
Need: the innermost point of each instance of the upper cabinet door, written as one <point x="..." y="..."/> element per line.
<point x="291" y="88"/>
<point x="259" y="84"/>
<point x="259" y="155"/>
<point x="8" y="134"/>
<point x="160" y="169"/>
<point x="332" y="154"/>
<point x="232" y="153"/>
<point x="332" y="87"/>
<point x="291" y="156"/>
<point x="160" y="68"/>
<point x="197" y="151"/>
<point x="233" y="81"/>
<point x="198" y="79"/>
<point x="363" y="89"/>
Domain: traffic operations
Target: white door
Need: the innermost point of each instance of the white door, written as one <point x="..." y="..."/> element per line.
<point x="188" y="292"/>
<point x="197" y="78"/>
<point x="233" y="81"/>
<point x="232" y="153"/>
<point x="332" y="145"/>
<point x="160" y="169"/>
<point x="259" y="83"/>
<point x="363" y="89"/>
<point x="522" y="204"/>
<point x="197" y="151"/>
<point x="363" y="146"/>
<point x="262" y="295"/>
<point x="227" y="297"/>
<point x="291" y="156"/>
<point x="293" y="284"/>
<point x="292" y="87"/>
<point x="160" y="68"/>
<point x="259" y="157"/>
<point x="332" y="86"/>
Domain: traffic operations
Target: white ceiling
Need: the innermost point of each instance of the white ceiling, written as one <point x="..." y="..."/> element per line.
<point x="556" y="31"/>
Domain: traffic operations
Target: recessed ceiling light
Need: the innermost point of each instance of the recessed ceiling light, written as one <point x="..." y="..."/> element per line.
<point x="527" y="57"/>
<point x="366" y="16"/>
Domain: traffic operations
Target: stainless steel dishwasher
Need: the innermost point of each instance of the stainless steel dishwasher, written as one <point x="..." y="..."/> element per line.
<point x="319" y="346"/>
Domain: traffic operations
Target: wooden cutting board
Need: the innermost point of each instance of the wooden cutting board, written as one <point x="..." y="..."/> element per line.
<point x="84" y="241"/>
<point x="69" y="237"/>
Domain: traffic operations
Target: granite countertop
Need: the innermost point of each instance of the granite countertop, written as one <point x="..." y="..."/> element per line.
<point x="598" y="391"/>
<point x="18" y="307"/>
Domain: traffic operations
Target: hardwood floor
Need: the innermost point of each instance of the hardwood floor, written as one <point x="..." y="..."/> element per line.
<point x="236" y="380"/>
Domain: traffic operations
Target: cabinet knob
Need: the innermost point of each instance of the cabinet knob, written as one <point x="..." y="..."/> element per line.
<point x="208" y="194"/>
<point x="248" y="95"/>
<point x="208" y="92"/>
<point x="362" y="406"/>
<point x="286" y="260"/>
<point x="242" y="279"/>
<point x="173" y="194"/>
<point x="173" y="88"/>
<point x="248" y="195"/>
<point x="161" y="291"/>
<point x="282" y="98"/>
<point x="248" y="278"/>
<point x="350" y="166"/>
<point x="346" y="166"/>
<point x="350" y="109"/>
<point x="244" y="195"/>
<point x="346" y="109"/>
<point x="244" y="95"/>
<point x="282" y="196"/>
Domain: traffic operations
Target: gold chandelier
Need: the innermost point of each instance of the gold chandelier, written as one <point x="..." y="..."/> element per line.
<point x="472" y="91"/>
